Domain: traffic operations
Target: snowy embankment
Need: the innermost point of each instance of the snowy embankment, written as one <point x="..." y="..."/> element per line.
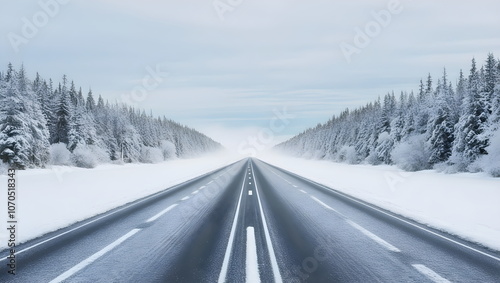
<point x="49" y="199"/>
<point x="465" y="204"/>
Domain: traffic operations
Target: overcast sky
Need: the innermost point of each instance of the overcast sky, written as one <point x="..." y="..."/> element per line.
<point x="233" y="64"/>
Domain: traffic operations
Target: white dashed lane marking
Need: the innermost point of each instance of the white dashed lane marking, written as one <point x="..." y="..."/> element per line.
<point x="161" y="213"/>
<point x="252" y="263"/>
<point x="93" y="257"/>
<point x="374" y="237"/>
<point x="429" y="273"/>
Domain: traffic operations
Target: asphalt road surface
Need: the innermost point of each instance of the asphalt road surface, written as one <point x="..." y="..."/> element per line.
<point x="250" y="222"/>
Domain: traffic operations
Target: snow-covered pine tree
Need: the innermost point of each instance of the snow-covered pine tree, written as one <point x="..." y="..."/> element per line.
<point x="72" y="93"/>
<point x="488" y="97"/>
<point x="62" y="118"/>
<point x="423" y="103"/>
<point x="23" y="132"/>
<point x="127" y="136"/>
<point x="83" y="129"/>
<point x="12" y="142"/>
<point x="397" y="123"/>
<point x="385" y="142"/>
<point x="105" y="129"/>
<point x="467" y="145"/>
<point x="44" y="96"/>
<point x="90" y="104"/>
<point x="493" y="123"/>
<point x="361" y="143"/>
<point x="410" y="113"/>
<point x="440" y="126"/>
<point x="490" y="77"/>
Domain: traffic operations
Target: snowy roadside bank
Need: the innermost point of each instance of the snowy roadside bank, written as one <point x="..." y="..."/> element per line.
<point x="50" y="199"/>
<point x="464" y="204"/>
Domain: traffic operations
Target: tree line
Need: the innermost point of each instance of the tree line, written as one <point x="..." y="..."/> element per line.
<point x="42" y="123"/>
<point x="449" y="126"/>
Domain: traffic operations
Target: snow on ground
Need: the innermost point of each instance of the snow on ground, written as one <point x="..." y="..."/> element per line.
<point x="49" y="199"/>
<point x="463" y="204"/>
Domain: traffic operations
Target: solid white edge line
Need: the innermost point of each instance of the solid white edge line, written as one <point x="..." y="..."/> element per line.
<point x="274" y="262"/>
<point x="374" y="237"/>
<point x="93" y="257"/>
<point x="252" y="263"/>
<point x="230" y="243"/>
<point x="429" y="273"/>
<point x="161" y="213"/>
